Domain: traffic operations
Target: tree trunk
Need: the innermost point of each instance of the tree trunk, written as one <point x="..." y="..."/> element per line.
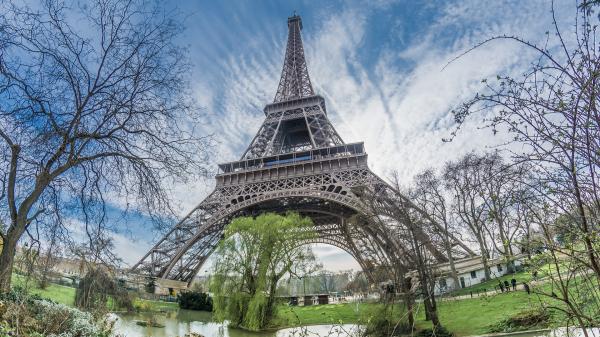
<point x="505" y="242"/>
<point x="431" y="312"/>
<point x="270" y="309"/>
<point x="453" y="272"/>
<point x="484" y="258"/>
<point x="486" y="267"/>
<point x="587" y="233"/>
<point x="424" y="279"/>
<point x="7" y="258"/>
<point x="410" y="309"/>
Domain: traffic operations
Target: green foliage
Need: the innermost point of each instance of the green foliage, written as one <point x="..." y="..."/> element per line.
<point x="254" y="255"/>
<point x="19" y="294"/>
<point x="524" y="320"/>
<point x="465" y="317"/>
<point x="142" y="305"/>
<point x="6" y="330"/>
<point x="194" y="300"/>
<point x="258" y="313"/>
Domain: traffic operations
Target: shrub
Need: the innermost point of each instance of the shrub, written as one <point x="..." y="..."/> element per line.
<point x="19" y="294"/>
<point x="439" y="332"/>
<point x="194" y="300"/>
<point x="96" y="287"/>
<point x="6" y="331"/>
<point x="29" y="315"/>
<point x="525" y="320"/>
<point x="384" y="323"/>
<point x="143" y="306"/>
<point x="150" y="287"/>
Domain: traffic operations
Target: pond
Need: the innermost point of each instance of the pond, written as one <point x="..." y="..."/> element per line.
<point x="181" y="322"/>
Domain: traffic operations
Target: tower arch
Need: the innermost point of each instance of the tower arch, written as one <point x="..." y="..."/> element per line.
<point x="330" y="214"/>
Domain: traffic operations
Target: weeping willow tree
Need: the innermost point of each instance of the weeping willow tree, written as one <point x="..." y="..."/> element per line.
<point x="255" y="254"/>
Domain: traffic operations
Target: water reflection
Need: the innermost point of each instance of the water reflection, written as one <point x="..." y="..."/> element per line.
<point x="182" y="322"/>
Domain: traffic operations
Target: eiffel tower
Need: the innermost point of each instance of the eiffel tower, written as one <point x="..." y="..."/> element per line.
<point x="297" y="161"/>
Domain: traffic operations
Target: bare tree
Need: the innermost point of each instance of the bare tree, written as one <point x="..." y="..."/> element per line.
<point x="487" y="195"/>
<point x="326" y="281"/>
<point x="358" y="283"/>
<point x="552" y="110"/>
<point x="571" y="287"/>
<point x="428" y="192"/>
<point x="464" y="178"/>
<point x="503" y="195"/>
<point x="405" y="224"/>
<point x="529" y="238"/>
<point x="90" y="112"/>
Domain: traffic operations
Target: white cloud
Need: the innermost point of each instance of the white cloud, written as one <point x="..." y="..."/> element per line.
<point x="129" y="248"/>
<point x="400" y="112"/>
<point x="402" y="115"/>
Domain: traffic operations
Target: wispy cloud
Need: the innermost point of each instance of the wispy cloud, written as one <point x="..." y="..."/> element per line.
<point x="384" y="83"/>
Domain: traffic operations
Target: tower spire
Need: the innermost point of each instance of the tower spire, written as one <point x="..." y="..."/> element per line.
<point x="294" y="82"/>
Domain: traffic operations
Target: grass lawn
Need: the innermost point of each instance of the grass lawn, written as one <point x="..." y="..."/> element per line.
<point x="324" y="314"/>
<point x="55" y="292"/>
<point x="66" y="295"/>
<point x="475" y="316"/>
<point x="463" y="317"/>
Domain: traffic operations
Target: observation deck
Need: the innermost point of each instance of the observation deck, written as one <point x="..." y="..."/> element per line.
<point x="293" y="164"/>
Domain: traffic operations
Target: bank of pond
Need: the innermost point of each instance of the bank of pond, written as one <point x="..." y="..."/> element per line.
<point x="192" y="323"/>
<point x="463" y="317"/>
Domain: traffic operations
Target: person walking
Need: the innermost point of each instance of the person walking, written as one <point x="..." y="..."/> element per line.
<point x="506" y="285"/>
<point x="514" y="284"/>
<point x="526" y="287"/>
<point x="501" y="286"/>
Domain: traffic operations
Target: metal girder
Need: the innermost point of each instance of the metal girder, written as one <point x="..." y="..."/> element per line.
<point x="327" y="198"/>
<point x="294" y="82"/>
<point x="307" y="118"/>
<point x="297" y="119"/>
<point x="296" y="162"/>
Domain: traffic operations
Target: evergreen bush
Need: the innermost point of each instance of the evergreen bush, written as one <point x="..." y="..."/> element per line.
<point x="195" y="300"/>
<point x="439" y="332"/>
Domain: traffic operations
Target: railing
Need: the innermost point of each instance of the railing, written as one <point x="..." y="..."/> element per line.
<point x="295" y="103"/>
<point x="344" y="150"/>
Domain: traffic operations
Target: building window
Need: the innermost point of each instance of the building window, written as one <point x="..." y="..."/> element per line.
<point x="499" y="266"/>
<point x="474" y="274"/>
<point x="443" y="284"/>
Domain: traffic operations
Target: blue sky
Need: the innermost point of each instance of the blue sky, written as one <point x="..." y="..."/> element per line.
<point x="379" y="64"/>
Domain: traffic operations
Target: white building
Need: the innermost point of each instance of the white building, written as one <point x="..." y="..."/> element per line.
<point x="471" y="272"/>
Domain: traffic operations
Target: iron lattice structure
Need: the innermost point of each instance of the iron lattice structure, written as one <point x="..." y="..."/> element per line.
<point x="297" y="161"/>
